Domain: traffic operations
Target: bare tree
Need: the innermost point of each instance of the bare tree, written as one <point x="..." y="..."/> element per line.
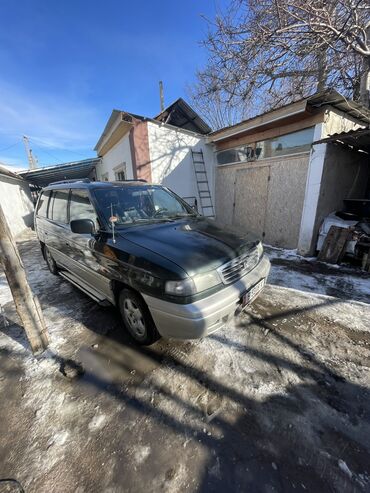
<point x="284" y="50"/>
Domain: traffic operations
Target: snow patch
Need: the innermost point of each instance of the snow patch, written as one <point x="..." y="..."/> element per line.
<point x="141" y="453"/>
<point x="97" y="422"/>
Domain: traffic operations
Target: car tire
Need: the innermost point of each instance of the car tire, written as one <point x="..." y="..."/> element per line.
<point x="50" y="262"/>
<point x="136" y="318"/>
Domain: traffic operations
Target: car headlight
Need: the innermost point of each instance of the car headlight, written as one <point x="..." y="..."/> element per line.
<point x="185" y="287"/>
<point x="193" y="285"/>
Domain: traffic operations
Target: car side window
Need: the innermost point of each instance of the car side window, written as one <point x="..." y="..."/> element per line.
<point x="59" y="206"/>
<point x="80" y="207"/>
<point x="42" y="207"/>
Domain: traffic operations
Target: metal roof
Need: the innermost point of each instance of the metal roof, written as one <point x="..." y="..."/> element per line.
<point x="356" y="139"/>
<point x="333" y="98"/>
<point x="180" y="114"/>
<point x="41" y="177"/>
<point x="329" y="97"/>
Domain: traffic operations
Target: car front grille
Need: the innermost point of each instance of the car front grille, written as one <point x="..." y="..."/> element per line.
<point x="238" y="267"/>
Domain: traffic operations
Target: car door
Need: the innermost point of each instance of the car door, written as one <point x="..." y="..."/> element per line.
<point x="84" y="258"/>
<point x="57" y="229"/>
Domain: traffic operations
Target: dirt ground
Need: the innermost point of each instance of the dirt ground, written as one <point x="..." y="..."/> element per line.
<point x="279" y="401"/>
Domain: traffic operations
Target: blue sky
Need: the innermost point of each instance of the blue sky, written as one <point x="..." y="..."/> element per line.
<point x="65" y="65"/>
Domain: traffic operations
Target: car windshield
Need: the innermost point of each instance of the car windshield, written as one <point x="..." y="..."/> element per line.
<point x="141" y="204"/>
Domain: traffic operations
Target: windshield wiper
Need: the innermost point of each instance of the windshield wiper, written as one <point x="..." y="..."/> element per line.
<point x="182" y="214"/>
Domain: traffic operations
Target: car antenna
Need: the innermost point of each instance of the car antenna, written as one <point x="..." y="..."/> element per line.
<point x="112" y="220"/>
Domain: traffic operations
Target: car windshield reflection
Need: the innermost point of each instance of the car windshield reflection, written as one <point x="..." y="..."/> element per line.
<point x="139" y="205"/>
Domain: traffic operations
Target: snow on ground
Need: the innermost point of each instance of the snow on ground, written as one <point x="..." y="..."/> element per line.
<point x="307" y="274"/>
<point x="277" y="401"/>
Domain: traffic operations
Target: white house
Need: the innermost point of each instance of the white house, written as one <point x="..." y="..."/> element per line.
<point x="170" y="149"/>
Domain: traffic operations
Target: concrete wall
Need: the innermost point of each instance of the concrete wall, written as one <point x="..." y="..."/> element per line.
<point x="119" y="154"/>
<point x="15" y="199"/>
<point x="171" y="159"/>
<point x="264" y="197"/>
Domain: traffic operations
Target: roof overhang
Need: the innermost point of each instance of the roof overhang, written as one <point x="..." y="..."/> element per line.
<point x="262" y="122"/>
<point x="294" y="112"/>
<point x="358" y="140"/>
<point x="118" y="125"/>
<point x="41" y="177"/>
<point x="179" y="114"/>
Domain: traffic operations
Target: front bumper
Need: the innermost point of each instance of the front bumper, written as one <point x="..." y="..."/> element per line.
<point x="205" y="316"/>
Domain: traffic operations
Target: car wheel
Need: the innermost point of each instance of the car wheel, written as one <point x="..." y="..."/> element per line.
<point x="50" y="261"/>
<point x="136" y="318"/>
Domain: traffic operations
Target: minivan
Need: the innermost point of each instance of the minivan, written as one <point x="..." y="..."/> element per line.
<point x="170" y="271"/>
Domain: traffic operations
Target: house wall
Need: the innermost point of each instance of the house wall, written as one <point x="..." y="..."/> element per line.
<point x="15" y="199"/>
<point x="171" y="159"/>
<point x="120" y="153"/>
<point x="264" y="197"/>
<point x="139" y="140"/>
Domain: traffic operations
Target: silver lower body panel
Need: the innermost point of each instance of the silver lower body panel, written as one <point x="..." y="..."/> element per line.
<point x="205" y="316"/>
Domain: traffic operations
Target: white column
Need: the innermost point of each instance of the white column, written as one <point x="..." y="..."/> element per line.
<point x="313" y="185"/>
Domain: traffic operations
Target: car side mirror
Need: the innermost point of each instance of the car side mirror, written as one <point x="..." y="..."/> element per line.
<point x="83" y="226"/>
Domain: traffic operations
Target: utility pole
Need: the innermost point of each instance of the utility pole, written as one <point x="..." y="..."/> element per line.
<point x="161" y="97"/>
<point x="32" y="161"/>
<point x="26" y="303"/>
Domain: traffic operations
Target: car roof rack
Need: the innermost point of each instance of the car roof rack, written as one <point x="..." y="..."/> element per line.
<point x="81" y="180"/>
<point x="138" y="179"/>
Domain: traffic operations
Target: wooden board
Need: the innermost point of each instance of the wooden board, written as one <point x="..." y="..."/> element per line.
<point x="334" y="245"/>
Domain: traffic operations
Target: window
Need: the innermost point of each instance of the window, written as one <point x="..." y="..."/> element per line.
<point x="42" y="207"/>
<point x="285" y="144"/>
<point x="120" y="172"/>
<point x="278" y="146"/>
<point x="80" y="207"/>
<point x="142" y="204"/>
<point x="236" y="155"/>
<point x="58" y="206"/>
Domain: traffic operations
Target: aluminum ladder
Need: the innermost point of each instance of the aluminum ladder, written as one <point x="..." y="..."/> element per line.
<point x="204" y="192"/>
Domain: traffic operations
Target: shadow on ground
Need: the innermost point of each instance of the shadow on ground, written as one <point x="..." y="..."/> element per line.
<point x="205" y="409"/>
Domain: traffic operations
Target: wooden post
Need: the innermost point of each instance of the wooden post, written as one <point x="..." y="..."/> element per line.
<point x="27" y="305"/>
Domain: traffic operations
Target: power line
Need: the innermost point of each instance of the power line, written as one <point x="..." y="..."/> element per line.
<point x="56" y="147"/>
<point x="46" y="152"/>
<point x="9" y="147"/>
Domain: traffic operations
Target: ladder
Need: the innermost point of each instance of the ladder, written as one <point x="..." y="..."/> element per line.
<point x="204" y="192"/>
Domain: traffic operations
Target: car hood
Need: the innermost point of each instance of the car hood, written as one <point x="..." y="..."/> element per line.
<point x="195" y="244"/>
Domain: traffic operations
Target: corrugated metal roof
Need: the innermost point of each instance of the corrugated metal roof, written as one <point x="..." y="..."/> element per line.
<point x="41" y="177"/>
<point x="358" y="139"/>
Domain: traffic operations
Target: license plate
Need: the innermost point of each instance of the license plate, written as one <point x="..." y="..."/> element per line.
<point x="249" y="296"/>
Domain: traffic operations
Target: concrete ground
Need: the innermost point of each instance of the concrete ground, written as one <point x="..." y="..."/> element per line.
<point x="279" y="401"/>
